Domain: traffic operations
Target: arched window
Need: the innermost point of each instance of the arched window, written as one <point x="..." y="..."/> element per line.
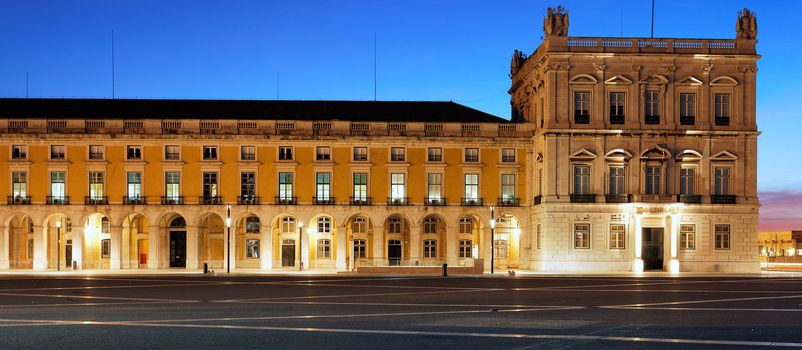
<point x="359" y="225"/>
<point x="288" y="224"/>
<point x="395" y="225"/>
<point x="465" y="225"/>
<point x="323" y="224"/>
<point x="252" y="224"/>
<point x="178" y="222"/>
<point x="105" y="225"/>
<point x="430" y="225"/>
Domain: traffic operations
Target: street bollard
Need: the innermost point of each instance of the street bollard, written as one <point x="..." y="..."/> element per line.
<point x="205" y="268"/>
<point x="445" y="270"/>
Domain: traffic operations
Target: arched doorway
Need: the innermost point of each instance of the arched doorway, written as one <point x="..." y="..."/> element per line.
<point x="248" y="242"/>
<point x="433" y="240"/>
<point x="360" y="237"/>
<point x="177" y="241"/>
<point x="135" y="242"/>
<point x="285" y="242"/>
<point x="211" y="241"/>
<point x="506" y="243"/>
<point x="20" y="242"/>
<point x="396" y="233"/>
<point x="97" y="242"/>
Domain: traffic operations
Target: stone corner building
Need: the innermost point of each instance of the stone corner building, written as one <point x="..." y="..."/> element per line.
<point x="622" y="155"/>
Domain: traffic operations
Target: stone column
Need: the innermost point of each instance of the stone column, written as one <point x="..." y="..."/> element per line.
<point x="342" y="248"/>
<point x="266" y="249"/>
<point x="487" y="246"/>
<point x="153" y="247"/>
<point x="4" y="263"/>
<point x="77" y="247"/>
<point x="39" y="248"/>
<point x="637" y="264"/>
<point x="304" y="247"/>
<point x="125" y="251"/>
<point x="192" y="247"/>
<point x="451" y="244"/>
<point x="116" y="233"/>
<point x="414" y="242"/>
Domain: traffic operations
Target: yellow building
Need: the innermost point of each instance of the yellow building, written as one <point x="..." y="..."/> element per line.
<point x="781" y="246"/>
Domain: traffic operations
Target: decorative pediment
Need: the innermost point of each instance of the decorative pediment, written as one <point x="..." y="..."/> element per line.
<point x="583" y="79"/>
<point x="655" y="152"/>
<point x="655" y="79"/>
<point x="723" y="81"/>
<point x="618" y="80"/>
<point x="689" y="155"/>
<point x="724" y="156"/>
<point x="618" y="155"/>
<point x="690" y="80"/>
<point x="582" y="154"/>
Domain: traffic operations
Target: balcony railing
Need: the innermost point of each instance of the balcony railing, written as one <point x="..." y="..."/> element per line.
<point x="324" y="201"/>
<point x="689" y="198"/>
<point x="286" y="200"/>
<point x="435" y="201"/>
<point x="581" y="118"/>
<point x="360" y="201"/>
<point x="508" y="202"/>
<point x="172" y="200"/>
<point x="583" y="198"/>
<point x="57" y="200"/>
<point x="617" y="119"/>
<point x="538" y="200"/>
<point x="210" y="200"/>
<point x="398" y="201"/>
<point x="722" y="199"/>
<point x="134" y="200"/>
<point x="248" y="200"/>
<point x="652" y="119"/>
<point x="617" y="198"/>
<point x="19" y="200"/>
<point x="472" y="202"/>
<point x="688" y="120"/>
<point x="96" y="200"/>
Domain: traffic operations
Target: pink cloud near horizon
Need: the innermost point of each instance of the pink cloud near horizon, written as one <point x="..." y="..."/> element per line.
<point x="780" y="211"/>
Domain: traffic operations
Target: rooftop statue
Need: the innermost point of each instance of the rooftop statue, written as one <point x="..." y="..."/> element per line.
<point x="556" y="22"/>
<point x="746" y="27"/>
<point x="518" y="59"/>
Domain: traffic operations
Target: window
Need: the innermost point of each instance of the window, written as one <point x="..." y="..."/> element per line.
<point x="687" y="109"/>
<point x="539" y="236"/>
<point x="507" y="186"/>
<point x="617" y="104"/>
<point x="252" y="224"/>
<point x="581" y="179"/>
<point x="95" y="152"/>
<point x="435" y="154"/>
<point x="722" y="237"/>
<point x="57" y="185"/>
<point x="616" y="183"/>
<point x="508" y="155"/>
<point x="323" y="153"/>
<point x="430" y="224"/>
<point x="359" y="225"/>
<point x="288" y="224"/>
<point x="134" y="185"/>
<point x="722" y="109"/>
<point x="323" y="225"/>
<point x="96" y="184"/>
<point x="360" y="186"/>
<point x="581" y="236"/>
<point x="172" y="183"/>
<point x="687" y="179"/>
<point x="57" y="152"/>
<point x="19" y="152"/>
<point x="324" y="249"/>
<point x="285" y="186"/>
<point x="471" y="186"/>
<point x="105" y="248"/>
<point x="30" y="248"/>
<point x="471" y="155"/>
<point x="133" y="153"/>
<point x="653" y="179"/>
<point x="687" y="237"/>
<point x="19" y="184"/>
<point x="721" y="185"/>
<point x="500" y="248"/>
<point x="360" y="154"/>
<point x="323" y="187"/>
<point x="429" y="248"/>
<point x="105" y="225"/>
<point x="465" y="248"/>
<point x="285" y="153"/>
<point x="209" y="152"/>
<point x="582" y="107"/>
<point x="465" y="226"/>
<point x="435" y="186"/>
<point x="651" y="104"/>
<point x="172" y="152"/>
<point x="397" y="186"/>
<point x="210" y="185"/>
<point x="247" y="153"/>
<point x="617" y="236"/>
<point x="397" y="154"/>
<point x="395" y="225"/>
<point x="252" y="249"/>
<point x="248" y="185"/>
<point x="360" y="248"/>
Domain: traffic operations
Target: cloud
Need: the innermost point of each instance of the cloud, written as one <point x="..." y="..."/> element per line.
<point x="780" y="210"/>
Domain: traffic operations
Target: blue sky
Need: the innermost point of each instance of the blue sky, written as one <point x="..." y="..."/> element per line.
<point x="427" y="50"/>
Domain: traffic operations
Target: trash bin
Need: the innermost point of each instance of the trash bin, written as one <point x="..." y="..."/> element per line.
<point x="74" y="265"/>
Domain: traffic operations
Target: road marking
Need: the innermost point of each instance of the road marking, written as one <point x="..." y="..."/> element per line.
<point x="697" y="309"/>
<point x="96" y="297"/>
<point x="364" y="295"/>
<point x="705" y="301"/>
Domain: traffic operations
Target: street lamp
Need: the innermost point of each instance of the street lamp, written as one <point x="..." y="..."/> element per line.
<point x="58" y="233"/>
<point x="228" y="239"/>
<point x="492" y="239"/>
<point x="300" y="245"/>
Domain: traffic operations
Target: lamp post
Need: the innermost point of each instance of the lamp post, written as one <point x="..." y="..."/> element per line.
<point x="492" y="240"/>
<point x="300" y="245"/>
<point x="58" y="234"/>
<point x="228" y="239"/>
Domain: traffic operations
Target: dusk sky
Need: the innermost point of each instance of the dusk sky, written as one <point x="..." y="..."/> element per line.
<point x="427" y="50"/>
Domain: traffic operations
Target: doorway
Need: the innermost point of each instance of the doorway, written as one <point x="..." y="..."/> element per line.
<point x="68" y="254"/>
<point x="652" y="248"/>
<point x="288" y="253"/>
<point x="178" y="249"/>
<point x="394" y="252"/>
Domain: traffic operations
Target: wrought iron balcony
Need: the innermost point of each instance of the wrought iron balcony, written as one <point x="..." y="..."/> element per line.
<point x="172" y="200"/>
<point x="617" y="198"/>
<point x="324" y="201"/>
<point x="472" y="202"/>
<point x="538" y="200"/>
<point x="57" y="200"/>
<point x="210" y="200"/>
<point x="508" y="202"/>
<point x="398" y="201"/>
<point x="134" y="200"/>
<point x="722" y="199"/>
<point x="583" y="198"/>
<point x="360" y="201"/>
<point x="435" y="201"/>
<point x="286" y="200"/>
<point x="248" y="200"/>
<point x="19" y="200"/>
<point x="96" y="200"/>
<point x="689" y="198"/>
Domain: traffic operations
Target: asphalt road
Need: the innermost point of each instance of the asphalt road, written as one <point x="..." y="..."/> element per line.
<point x="315" y="312"/>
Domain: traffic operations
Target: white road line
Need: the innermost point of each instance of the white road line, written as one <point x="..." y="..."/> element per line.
<point x="705" y="301"/>
<point x="698" y="309"/>
<point x="82" y="304"/>
<point x="405" y="304"/>
<point x="103" y="287"/>
<point x="96" y="297"/>
<point x="364" y="295"/>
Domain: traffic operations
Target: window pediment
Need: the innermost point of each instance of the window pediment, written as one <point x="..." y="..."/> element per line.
<point x="656" y="79"/>
<point x="618" y="80"/>
<point x="618" y="155"/>
<point x="724" y="156"/>
<point x="689" y="156"/>
<point x="724" y="81"/>
<point x="583" y="79"/>
<point x="690" y="80"/>
<point x="655" y="153"/>
<point x="582" y="154"/>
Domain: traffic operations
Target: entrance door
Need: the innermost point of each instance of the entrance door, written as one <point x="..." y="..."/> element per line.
<point x="394" y="252"/>
<point x="68" y="253"/>
<point x="652" y="249"/>
<point x="178" y="249"/>
<point x="288" y="253"/>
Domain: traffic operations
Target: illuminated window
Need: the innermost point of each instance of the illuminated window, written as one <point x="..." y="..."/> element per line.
<point x="57" y="185"/>
<point x="96" y="191"/>
<point x="687" y="237"/>
<point x="508" y="186"/>
<point x="465" y="248"/>
<point x="581" y="236"/>
<point x="323" y="186"/>
<point x="722" y="237"/>
<point x="285" y="186"/>
<point x="252" y="248"/>
<point x="252" y="224"/>
<point x="288" y="224"/>
<point x="360" y="186"/>
<point x="172" y="183"/>
<point x="134" y="185"/>
<point x="172" y="152"/>
<point x="430" y="248"/>
<point x="435" y="154"/>
<point x="435" y="186"/>
<point x="617" y="236"/>
<point x="397" y="186"/>
<point x="471" y="186"/>
<point x="324" y="249"/>
<point x="19" y="184"/>
<point x="397" y="154"/>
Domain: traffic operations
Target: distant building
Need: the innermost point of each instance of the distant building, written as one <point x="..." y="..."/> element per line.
<point x="624" y="154"/>
<point x="783" y="245"/>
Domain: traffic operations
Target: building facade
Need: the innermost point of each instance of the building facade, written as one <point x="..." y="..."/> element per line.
<point x="622" y="155"/>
